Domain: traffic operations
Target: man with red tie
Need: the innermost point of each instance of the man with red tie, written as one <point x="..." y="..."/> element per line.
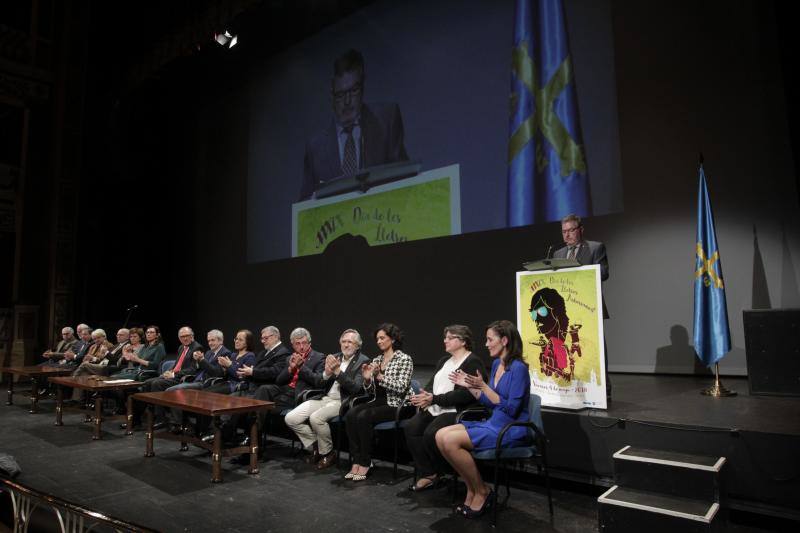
<point x="185" y="366"/>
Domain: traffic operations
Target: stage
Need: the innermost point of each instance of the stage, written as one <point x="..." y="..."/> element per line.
<point x="759" y="436"/>
<point x="172" y="491"/>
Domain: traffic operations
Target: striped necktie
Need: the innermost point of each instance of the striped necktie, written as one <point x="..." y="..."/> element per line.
<point x="349" y="162"/>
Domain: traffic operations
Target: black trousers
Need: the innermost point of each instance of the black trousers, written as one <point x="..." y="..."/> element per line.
<point x="360" y="424"/>
<point x="421" y="439"/>
<point x="282" y="395"/>
<point x="223" y="387"/>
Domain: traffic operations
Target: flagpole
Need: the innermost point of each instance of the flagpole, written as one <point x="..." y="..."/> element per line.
<point x="718" y="390"/>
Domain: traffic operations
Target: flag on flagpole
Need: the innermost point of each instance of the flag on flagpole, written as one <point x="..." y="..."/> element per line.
<point x="547" y="174"/>
<point x="712" y="336"/>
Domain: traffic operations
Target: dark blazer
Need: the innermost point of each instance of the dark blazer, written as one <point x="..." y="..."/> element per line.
<point x="315" y="364"/>
<point x="208" y="366"/>
<point x="350" y="381"/>
<point x="381" y="142"/>
<point x="115" y="353"/>
<point x="189" y="367"/>
<point x="460" y="397"/>
<point x="80" y="349"/>
<point x="269" y="364"/>
<point x="593" y="253"/>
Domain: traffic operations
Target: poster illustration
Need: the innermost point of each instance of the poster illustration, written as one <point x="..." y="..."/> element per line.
<point x="560" y="319"/>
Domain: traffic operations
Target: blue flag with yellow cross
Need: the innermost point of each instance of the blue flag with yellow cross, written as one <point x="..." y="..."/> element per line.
<point x="547" y="174"/>
<point x="712" y="336"/>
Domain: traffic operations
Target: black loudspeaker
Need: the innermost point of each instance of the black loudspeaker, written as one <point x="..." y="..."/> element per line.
<point x="772" y="344"/>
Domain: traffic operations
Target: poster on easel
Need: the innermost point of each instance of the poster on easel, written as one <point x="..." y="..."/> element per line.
<point x="560" y="319"/>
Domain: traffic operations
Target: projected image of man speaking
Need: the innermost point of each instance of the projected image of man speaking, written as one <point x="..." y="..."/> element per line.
<point x="359" y="136"/>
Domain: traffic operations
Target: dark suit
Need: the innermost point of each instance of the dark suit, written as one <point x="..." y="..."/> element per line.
<point x="80" y="349"/>
<point x="381" y="142"/>
<point x="268" y="366"/>
<point x="208" y="366"/>
<point x="284" y="396"/>
<point x="590" y="253"/>
<point x="350" y="381"/>
<point x="188" y="369"/>
<point x="115" y="354"/>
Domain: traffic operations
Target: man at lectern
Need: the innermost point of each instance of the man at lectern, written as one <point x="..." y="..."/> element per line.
<point x="359" y="135"/>
<point x="586" y="253"/>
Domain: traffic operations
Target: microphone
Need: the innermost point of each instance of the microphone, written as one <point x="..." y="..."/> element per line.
<point x="131" y="308"/>
<point x="549" y="251"/>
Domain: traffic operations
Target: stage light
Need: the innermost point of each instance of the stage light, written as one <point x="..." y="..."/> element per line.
<point x="226" y="39"/>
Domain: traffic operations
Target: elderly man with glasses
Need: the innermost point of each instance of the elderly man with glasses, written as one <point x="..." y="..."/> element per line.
<point x="339" y="380"/>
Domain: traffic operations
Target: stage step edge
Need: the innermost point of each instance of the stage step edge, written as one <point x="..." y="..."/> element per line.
<point x="657" y="503"/>
<point x="674" y="459"/>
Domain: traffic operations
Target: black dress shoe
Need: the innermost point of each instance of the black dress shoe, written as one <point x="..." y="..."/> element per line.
<point x="159" y="425"/>
<point x="244" y="442"/>
<point x="208" y="438"/>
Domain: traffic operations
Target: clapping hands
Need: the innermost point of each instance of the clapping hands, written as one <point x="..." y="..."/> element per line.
<point x="332" y="365"/>
<point x="295" y="362"/>
<point x="468" y="381"/>
<point x="423" y="399"/>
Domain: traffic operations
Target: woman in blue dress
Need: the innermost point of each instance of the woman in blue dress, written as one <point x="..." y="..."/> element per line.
<point x="508" y="395"/>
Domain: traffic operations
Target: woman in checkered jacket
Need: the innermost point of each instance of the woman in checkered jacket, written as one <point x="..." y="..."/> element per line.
<point x="388" y="378"/>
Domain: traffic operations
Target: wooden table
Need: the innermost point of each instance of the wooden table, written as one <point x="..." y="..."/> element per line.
<point x="95" y="384"/>
<point x="38" y="375"/>
<point x="208" y="404"/>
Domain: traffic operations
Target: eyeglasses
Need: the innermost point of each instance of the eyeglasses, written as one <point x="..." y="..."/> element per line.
<point x="539" y="311"/>
<point x="449" y="337"/>
<point x="570" y="230"/>
<point x="352" y="92"/>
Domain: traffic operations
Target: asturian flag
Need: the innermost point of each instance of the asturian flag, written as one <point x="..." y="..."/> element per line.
<point x="547" y="176"/>
<point x="712" y="336"/>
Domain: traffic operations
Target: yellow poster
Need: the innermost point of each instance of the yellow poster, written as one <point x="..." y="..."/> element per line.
<point x="560" y="318"/>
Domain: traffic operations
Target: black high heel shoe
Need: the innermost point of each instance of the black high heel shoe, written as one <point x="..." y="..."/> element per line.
<point x="471" y="513"/>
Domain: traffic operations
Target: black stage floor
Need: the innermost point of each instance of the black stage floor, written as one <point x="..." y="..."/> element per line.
<point x="172" y="491"/>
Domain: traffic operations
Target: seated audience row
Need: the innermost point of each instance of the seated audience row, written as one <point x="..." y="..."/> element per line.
<point x="311" y="388"/>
